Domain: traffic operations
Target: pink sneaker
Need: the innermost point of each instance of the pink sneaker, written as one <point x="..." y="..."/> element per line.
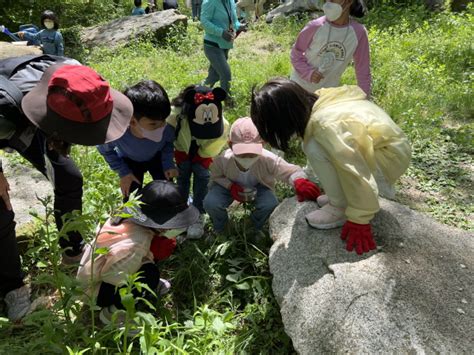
<point x="327" y="217"/>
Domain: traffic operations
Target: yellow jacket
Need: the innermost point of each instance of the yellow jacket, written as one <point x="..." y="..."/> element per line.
<point x="208" y="148"/>
<point x="358" y="137"/>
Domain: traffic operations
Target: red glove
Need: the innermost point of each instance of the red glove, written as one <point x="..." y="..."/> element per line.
<point x="180" y="156"/>
<point x="306" y="190"/>
<point x="162" y="247"/>
<point x="234" y="192"/>
<point x="205" y="162"/>
<point x="359" y="235"/>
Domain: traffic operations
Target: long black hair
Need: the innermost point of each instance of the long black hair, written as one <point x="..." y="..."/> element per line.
<point x="49" y="15"/>
<point x="280" y="109"/>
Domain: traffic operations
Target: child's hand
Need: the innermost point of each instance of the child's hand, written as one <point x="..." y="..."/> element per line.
<point x="205" y="162"/>
<point x="171" y="173"/>
<point x="316" y="77"/>
<point x="306" y="190"/>
<point x="180" y="156"/>
<point x="358" y="235"/>
<point x="126" y="182"/>
<point x="235" y="190"/>
<point x="21" y="34"/>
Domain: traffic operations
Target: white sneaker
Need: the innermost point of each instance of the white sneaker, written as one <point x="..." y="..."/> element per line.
<point x="322" y="200"/>
<point x="18" y="303"/>
<point x="163" y="287"/>
<point x="327" y="217"/>
<point x="196" y="230"/>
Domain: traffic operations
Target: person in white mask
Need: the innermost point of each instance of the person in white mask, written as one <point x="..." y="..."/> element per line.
<point x="147" y="145"/>
<point x="328" y="44"/>
<point x="247" y="173"/>
<point x="49" y="37"/>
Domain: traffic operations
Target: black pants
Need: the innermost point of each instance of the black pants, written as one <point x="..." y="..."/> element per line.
<point x="154" y="166"/>
<point x="67" y="198"/>
<point x="109" y="294"/>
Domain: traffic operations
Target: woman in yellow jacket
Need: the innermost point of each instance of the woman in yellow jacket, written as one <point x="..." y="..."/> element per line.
<point x="352" y="145"/>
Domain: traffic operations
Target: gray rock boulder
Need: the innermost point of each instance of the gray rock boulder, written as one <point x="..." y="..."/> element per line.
<point x="414" y="294"/>
<point x="293" y="6"/>
<point x="8" y="50"/>
<point x="126" y="29"/>
<point x="26" y="185"/>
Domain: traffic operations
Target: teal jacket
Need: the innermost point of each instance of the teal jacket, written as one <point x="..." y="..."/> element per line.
<point x="215" y="20"/>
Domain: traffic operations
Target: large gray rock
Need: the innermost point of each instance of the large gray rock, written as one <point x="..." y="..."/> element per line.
<point x="293" y="6"/>
<point x="414" y="294"/>
<point x="26" y="185"/>
<point x="8" y="50"/>
<point x="126" y="29"/>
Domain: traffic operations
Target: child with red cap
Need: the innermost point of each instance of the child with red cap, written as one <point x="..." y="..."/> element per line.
<point x="247" y="173"/>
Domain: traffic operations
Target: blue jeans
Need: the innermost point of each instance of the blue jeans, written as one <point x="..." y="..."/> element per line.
<point x="196" y="8"/>
<point x="200" y="182"/>
<point x="219" y="69"/>
<point x="219" y="198"/>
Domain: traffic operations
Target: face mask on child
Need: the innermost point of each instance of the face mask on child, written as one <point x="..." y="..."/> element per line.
<point x="154" y="135"/>
<point x="332" y="11"/>
<point x="172" y="233"/>
<point x="49" y="24"/>
<point x="246" y="163"/>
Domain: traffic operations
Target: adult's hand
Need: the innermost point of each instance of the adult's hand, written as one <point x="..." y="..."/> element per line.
<point x="228" y="35"/>
<point x="20" y="34"/>
<point x="4" y="188"/>
<point x="125" y="183"/>
<point x="316" y="77"/>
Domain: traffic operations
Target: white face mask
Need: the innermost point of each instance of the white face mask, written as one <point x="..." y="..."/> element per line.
<point x="49" y="24"/>
<point x="246" y="163"/>
<point x="332" y="11"/>
<point x="154" y="135"/>
<point x="172" y="233"/>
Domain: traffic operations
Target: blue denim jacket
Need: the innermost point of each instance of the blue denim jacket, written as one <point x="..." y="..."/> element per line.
<point x="51" y="41"/>
<point x="215" y="20"/>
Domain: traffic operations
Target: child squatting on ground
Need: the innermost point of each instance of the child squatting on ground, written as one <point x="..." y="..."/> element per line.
<point x="147" y="145"/>
<point x="353" y="146"/>
<point x="201" y="133"/>
<point x="134" y="245"/>
<point x="246" y="173"/>
<point x="50" y="38"/>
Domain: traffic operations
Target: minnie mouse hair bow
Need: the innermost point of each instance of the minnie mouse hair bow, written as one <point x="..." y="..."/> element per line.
<point x="199" y="98"/>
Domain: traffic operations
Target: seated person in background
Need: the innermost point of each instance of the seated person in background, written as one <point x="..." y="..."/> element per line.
<point x="138" y="10"/>
<point x="134" y="245"/>
<point x="246" y="173"/>
<point x="147" y="145"/>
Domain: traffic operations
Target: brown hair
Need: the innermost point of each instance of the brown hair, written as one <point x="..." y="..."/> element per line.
<point x="280" y="109"/>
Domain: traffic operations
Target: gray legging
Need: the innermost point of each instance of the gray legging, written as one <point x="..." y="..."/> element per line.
<point x="219" y="69"/>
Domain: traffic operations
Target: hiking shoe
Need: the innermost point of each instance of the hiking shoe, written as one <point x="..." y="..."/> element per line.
<point x="196" y="230"/>
<point x="322" y="200"/>
<point x="327" y="217"/>
<point x="18" y="303"/>
<point x="106" y="316"/>
<point x="163" y="287"/>
<point x="229" y="102"/>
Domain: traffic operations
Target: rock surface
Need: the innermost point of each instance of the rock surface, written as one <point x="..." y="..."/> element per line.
<point x="292" y="6"/>
<point x="414" y="294"/>
<point x="8" y="50"/>
<point x="26" y="184"/>
<point x="126" y="29"/>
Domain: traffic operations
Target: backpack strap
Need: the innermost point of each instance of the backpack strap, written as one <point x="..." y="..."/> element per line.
<point x="11" y="89"/>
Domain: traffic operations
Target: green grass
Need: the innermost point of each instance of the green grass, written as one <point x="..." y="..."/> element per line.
<point x="221" y="299"/>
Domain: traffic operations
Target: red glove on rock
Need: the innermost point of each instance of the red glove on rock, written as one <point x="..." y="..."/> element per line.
<point x="162" y="247"/>
<point x="205" y="162"/>
<point x="234" y="192"/>
<point x="306" y="190"/>
<point x="180" y="156"/>
<point x="359" y="235"/>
